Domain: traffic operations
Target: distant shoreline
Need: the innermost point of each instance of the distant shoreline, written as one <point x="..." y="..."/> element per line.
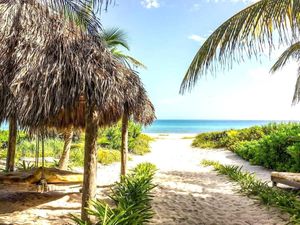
<point x="201" y="126"/>
<point x="191" y="127"/>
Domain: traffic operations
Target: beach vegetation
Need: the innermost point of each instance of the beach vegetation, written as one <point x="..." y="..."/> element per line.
<point x="131" y="200"/>
<point x="25" y="166"/>
<point x="138" y="143"/>
<point x="108" y="144"/>
<point x="106" y="156"/>
<point x="274" y="146"/>
<point x="249" y="185"/>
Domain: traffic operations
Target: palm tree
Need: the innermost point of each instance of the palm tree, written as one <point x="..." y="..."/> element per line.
<point x="115" y="38"/>
<point x="72" y="11"/>
<point x="264" y="24"/>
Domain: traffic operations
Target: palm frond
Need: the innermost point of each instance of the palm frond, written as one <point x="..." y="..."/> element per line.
<point x="247" y="33"/>
<point x="127" y="60"/>
<point x="73" y="10"/>
<point x="115" y="37"/>
<point x="296" y="97"/>
<point x="293" y="52"/>
<point x="135" y="62"/>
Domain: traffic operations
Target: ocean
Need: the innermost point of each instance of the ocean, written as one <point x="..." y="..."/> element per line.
<point x="200" y="126"/>
<point x="195" y="126"/>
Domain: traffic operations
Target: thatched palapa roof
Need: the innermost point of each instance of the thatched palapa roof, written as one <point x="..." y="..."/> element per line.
<point x="58" y="71"/>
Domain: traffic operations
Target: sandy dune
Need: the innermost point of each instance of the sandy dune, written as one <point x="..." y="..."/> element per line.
<point x="187" y="193"/>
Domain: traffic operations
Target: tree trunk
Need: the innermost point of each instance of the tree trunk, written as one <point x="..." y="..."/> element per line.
<point x="9" y="74"/>
<point x="124" y="145"/>
<point x="90" y="163"/>
<point x="12" y="141"/>
<point x="64" y="159"/>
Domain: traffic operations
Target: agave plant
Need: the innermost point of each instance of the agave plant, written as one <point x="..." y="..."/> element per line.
<point x="25" y="166"/>
<point x="132" y="198"/>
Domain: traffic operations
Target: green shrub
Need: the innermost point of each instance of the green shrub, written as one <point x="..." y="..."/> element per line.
<point x="209" y="140"/>
<point x="107" y="157"/>
<point x="138" y="143"/>
<point x="277" y="151"/>
<point x="141" y="145"/>
<point x="274" y="146"/>
<point x="226" y="139"/>
<point x="4" y="137"/>
<point x="52" y="148"/>
<point x="132" y="198"/>
<point x="77" y="155"/>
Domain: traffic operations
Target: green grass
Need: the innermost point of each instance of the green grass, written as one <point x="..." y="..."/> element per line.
<point x="250" y="186"/>
<point x="188" y="138"/>
<point x="132" y="200"/>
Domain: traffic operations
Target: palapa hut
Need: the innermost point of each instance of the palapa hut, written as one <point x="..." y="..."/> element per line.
<point x="64" y="78"/>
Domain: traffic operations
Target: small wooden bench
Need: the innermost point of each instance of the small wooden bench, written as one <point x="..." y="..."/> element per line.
<point x="290" y="179"/>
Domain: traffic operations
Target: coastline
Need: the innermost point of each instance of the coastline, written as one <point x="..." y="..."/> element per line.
<point x="171" y="135"/>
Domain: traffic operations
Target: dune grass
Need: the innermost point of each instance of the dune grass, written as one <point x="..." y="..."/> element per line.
<point x="287" y="201"/>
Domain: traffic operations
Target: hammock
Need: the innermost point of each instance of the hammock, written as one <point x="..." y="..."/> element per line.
<point x="40" y="175"/>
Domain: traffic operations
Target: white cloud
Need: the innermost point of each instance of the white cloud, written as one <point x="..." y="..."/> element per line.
<point x="149" y="4"/>
<point x="197" y="38"/>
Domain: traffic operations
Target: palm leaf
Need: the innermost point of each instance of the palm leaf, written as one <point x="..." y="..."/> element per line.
<point x="293" y="52"/>
<point x="247" y="33"/>
<point x="73" y="10"/>
<point x="115" y="37"/>
<point x="127" y="60"/>
<point x="296" y="97"/>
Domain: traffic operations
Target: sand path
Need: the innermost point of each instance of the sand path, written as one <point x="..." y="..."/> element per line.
<point x="187" y="193"/>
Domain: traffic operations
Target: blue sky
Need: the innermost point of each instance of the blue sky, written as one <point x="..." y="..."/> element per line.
<point x="166" y="34"/>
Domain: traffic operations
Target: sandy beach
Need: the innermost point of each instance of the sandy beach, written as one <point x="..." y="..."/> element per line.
<point x="187" y="193"/>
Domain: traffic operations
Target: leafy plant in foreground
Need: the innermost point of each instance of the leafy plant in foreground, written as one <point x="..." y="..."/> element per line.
<point x="132" y="198"/>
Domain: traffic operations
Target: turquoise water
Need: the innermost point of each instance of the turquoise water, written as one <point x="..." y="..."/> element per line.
<point x="199" y="126"/>
<point x="195" y="126"/>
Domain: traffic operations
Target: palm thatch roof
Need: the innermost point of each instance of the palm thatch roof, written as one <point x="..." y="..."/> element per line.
<point x="59" y="71"/>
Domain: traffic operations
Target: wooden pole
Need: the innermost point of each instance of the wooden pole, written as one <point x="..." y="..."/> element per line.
<point x="12" y="141"/>
<point x="64" y="159"/>
<point x="90" y="163"/>
<point x="124" y="145"/>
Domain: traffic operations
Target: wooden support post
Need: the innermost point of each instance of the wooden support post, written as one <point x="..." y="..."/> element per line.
<point x="90" y="163"/>
<point x="124" y="145"/>
<point x="64" y="159"/>
<point x="12" y="142"/>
